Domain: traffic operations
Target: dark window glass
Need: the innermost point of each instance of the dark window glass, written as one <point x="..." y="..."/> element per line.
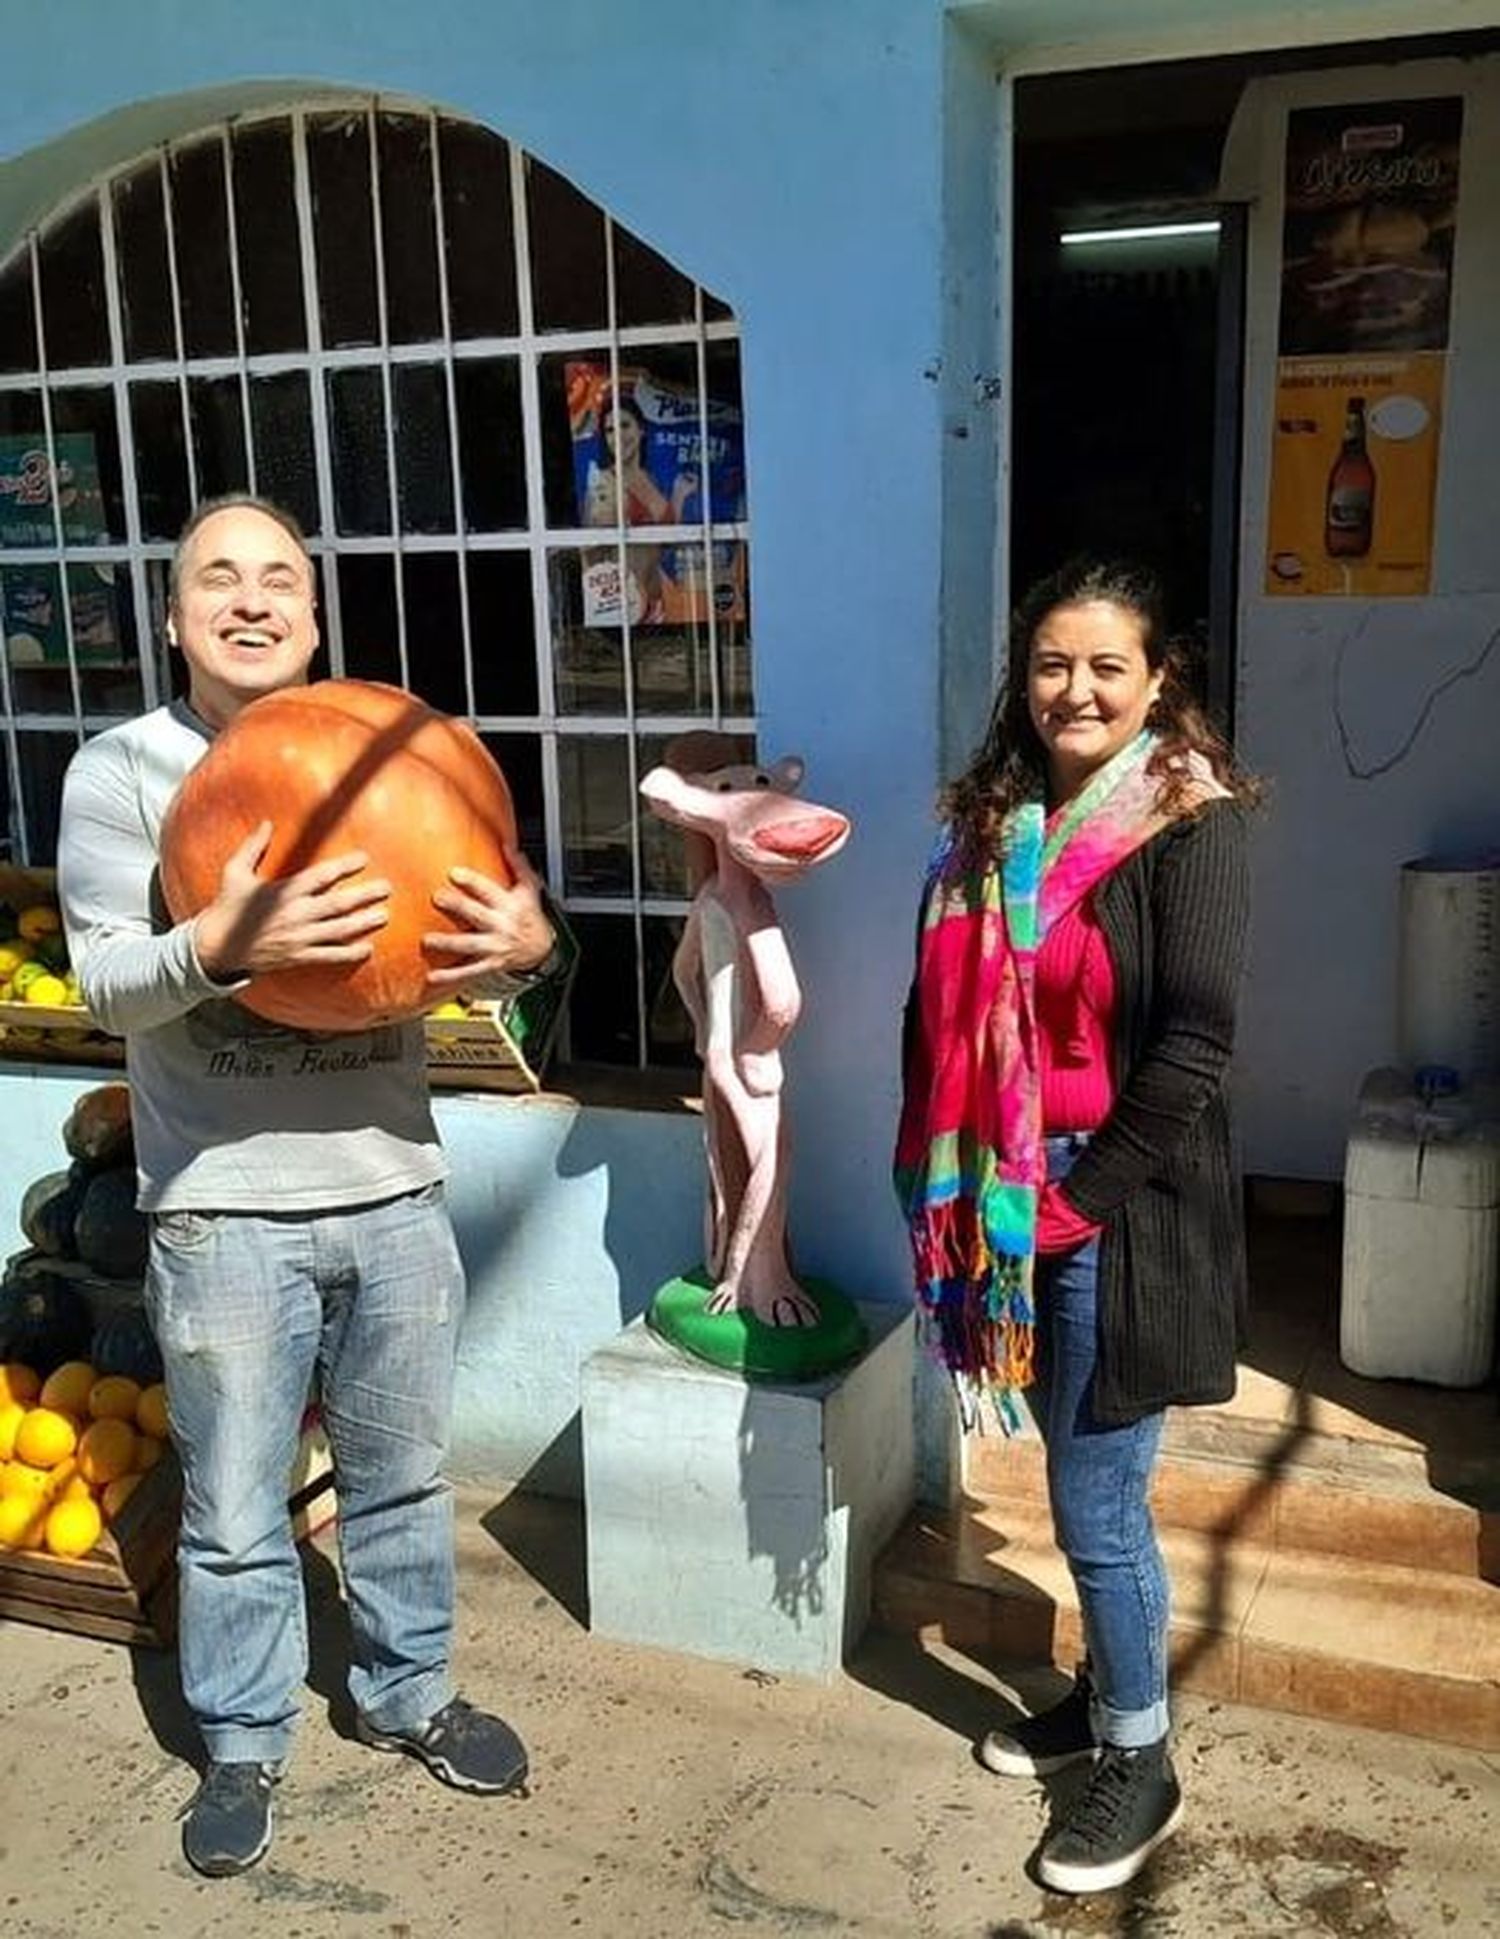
<point x="478" y="232"/>
<point x="338" y="159"/>
<point x="520" y="760"/>
<point x="598" y="814"/>
<point x="44" y="759"/>
<point x="715" y="311"/>
<point x="647" y="288"/>
<point x="502" y="632"/>
<point x="424" y="458"/>
<point x="141" y="252"/>
<point x="669" y="1029"/>
<point x="361" y="481"/>
<point x="104" y="637"/>
<point x="161" y="470"/>
<point x="367" y="610"/>
<point x="487" y="393"/>
<point x="588" y="662"/>
<point x="74" y="314"/>
<point x="88" y="439"/>
<point x="281" y="428"/>
<point x="602" y="1009"/>
<point x="35" y="629"/>
<point x="200" y="234"/>
<point x="17" y="316"/>
<point x="568" y="286"/>
<point x="265" y="219"/>
<point x="434" y="630"/>
<point x="218" y="419"/>
<point x="413" y="304"/>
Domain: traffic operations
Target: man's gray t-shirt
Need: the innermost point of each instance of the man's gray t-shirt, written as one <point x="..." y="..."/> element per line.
<point x="231" y="1112"/>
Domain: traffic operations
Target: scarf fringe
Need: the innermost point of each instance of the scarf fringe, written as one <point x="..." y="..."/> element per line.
<point x="977" y="1310"/>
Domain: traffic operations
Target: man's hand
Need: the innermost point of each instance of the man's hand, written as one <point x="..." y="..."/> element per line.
<point x="505" y="930"/>
<point x="315" y="916"/>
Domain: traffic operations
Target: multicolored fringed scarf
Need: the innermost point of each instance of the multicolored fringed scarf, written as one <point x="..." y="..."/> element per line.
<point x="970" y="1160"/>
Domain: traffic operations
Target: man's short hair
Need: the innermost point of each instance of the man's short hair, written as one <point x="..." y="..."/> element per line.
<point x="234" y="501"/>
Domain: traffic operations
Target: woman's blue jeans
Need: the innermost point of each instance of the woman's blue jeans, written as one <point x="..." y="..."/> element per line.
<point x="1098" y="1478"/>
<point x="252" y="1314"/>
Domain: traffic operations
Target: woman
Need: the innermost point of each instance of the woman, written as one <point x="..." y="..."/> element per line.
<point x="1065" y="1156"/>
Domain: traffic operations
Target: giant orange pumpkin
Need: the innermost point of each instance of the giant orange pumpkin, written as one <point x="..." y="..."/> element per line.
<point x="335" y="766"/>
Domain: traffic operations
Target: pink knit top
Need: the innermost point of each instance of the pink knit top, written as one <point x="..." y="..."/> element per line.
<point x="1075" y="1003"/>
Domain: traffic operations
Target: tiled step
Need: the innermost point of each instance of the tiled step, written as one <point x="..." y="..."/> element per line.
<point x="1392" y="1647"/>
<point x="1366" y="1513"/>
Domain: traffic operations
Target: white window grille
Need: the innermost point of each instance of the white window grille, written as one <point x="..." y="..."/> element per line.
<point x="410" y="334"/>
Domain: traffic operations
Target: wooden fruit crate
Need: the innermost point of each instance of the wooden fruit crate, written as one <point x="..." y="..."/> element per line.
<point x="125" y="1589"/>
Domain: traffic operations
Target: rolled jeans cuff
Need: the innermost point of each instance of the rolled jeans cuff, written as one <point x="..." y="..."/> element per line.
<point x="1129" y="1729"/>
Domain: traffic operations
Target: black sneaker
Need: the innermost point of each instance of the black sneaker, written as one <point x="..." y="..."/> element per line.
<point x="227" y="1826"/>
<point x="461" y="1745"/>
<point x="1104" y="1837"/>
<point x="1047" y="1742"/>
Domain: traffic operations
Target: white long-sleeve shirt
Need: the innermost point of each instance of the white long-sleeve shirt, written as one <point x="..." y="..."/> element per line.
<point x="231" y="1112"/>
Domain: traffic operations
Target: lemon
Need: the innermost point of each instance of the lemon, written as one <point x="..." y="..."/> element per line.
<point x="12" y="1413"/>
<point x="114" y="1398"/>
<point x="148" y="1451"/>
<point x="117" y="1493"/>
<point x="46" y="988"/>
<point x="12" y="956"/>
<point x="65" y="1483"/>
<point x="26" y="975"/>
<point x="19" y="1383"/>
<point x="449" y="1011"/>
<point x="73" y="1527"/>
<point x="106" y="1451"/>
<point x="151" y="1411"/>
<point x="41" y="919"/>
<point x="68" y="1387"/>
<point x="45" y="1437"/>
<point x="30" y="1484"/>
<point x="22" y="1522"/>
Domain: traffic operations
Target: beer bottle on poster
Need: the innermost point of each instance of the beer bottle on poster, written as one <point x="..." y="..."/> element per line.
<point x="1349" y="512"/>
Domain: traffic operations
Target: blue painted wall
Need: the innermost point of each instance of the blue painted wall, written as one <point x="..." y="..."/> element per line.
<point x="789" y="155"/>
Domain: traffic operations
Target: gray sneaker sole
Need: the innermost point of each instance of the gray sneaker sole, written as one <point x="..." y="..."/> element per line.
<point x="1006" y="1758"/>
<point x="374" y="1739"/>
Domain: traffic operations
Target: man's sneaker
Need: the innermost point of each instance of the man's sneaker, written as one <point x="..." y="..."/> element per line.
<point x="1047" y="1742"/>
<point x="1104" y="1837"/>
<point x="461" y="1745"/>
<point x="227" y="1827"/>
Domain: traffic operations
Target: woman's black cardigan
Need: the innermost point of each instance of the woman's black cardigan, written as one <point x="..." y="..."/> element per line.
<point x="1161" y="1174"/>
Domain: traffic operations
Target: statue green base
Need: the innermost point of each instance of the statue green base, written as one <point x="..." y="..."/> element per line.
<point x="746" y="1345"/>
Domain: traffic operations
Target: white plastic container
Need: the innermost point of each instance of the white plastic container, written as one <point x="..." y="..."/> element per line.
<point x="1448" y="966"/>
<point x="1421" y="1271"/>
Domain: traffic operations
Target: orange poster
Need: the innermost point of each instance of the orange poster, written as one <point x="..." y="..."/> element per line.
<point x="1353" y="474"/>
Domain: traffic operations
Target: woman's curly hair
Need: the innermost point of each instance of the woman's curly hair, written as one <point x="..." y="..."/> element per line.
<point x="1011" y="764"/>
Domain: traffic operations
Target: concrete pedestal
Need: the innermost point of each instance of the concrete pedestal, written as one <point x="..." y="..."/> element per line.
<point x="741" y="1520"/>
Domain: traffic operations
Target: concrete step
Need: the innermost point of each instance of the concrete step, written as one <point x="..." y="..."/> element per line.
<point x="1259" y="1492"/>
<point x="1376" y="1643"/>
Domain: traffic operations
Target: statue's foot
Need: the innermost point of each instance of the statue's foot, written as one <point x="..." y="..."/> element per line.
<point x="784" y="1305"/>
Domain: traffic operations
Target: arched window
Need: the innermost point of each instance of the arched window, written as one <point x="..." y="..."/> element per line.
<point x="474" y="390"/>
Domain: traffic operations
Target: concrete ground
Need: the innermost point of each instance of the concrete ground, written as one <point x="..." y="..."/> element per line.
<point x="673" y="1798"/>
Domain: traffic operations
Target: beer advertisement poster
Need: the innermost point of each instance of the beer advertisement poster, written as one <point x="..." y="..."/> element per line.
<point x="1368" y="229"/>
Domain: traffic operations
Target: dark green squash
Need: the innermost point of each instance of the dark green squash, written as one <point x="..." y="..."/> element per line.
<point x="43" y="1320"/>
<point x="111" y="1235"/>
<point x="49" y="1210"/>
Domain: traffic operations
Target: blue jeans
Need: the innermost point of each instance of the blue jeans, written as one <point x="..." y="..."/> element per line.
<point x="1098" y="1477"/>
<point x="250" y="1311"/>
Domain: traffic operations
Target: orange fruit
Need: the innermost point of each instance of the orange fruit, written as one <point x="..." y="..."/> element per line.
<point x="45" y="1437"/>
<point x="12" y="1413"/>
<point x="73" y="1527"/>
<point x="68" y="1387"/>
<point x="65" y="1483"/>
<point x="106" y="1451"/>
<point x="117" y="1493"/>
<point x="148" y="1451"/>
<point x="19" y="1383"/>
<point x="151" y="1411"/>
<point x="114" y="1397"/>
<point x="22" y="1522"/>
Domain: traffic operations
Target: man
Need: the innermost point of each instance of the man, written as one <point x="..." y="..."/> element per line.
<point x="298" y="1225"/>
